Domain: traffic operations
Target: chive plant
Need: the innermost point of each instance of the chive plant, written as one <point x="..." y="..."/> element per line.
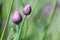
<point x="19" y="20"/>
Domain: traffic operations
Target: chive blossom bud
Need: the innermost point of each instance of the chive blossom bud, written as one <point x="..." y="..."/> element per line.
<point x="27" y="9"/>
<point x="16" y="18"/>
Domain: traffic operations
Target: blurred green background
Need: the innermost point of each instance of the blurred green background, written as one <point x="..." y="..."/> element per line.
<point x="39" y="25"/>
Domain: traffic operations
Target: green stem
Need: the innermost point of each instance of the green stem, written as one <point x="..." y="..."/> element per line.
<point x="25" y="29"/>
<point x="47" y="26"/>
<point x="20" y="30"/>
<point x="17" y="28"/>
<point x="2" y="36"/>
<point x="22" y="3"/>
<point x="17" y="31"/>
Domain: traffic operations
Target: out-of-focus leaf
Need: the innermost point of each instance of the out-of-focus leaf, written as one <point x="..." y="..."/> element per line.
<point x="55" y="29"/>
<point x="6" y="11"/>
<point x="6" y="5"/>
<point x="49" y="19"/>
<point x="11" y="35"/>
<point x="34" y="20"/>
<point x="0" y="19"/>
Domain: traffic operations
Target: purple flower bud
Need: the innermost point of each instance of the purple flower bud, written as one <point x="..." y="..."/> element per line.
<point x="58" y="3"/>
<point x="27" y="9"/>
<point x="3" y="23"/>
<point x="48" y="9"/>
<point x="16" y="18"/>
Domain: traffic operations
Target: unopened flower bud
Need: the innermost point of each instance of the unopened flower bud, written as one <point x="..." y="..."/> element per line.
<point x="58" y="3"/>
<point x="16" y="18"/>
<point x="27" y="9"/>
<point x="3" y="23"/>
<point x="48" y="9"/>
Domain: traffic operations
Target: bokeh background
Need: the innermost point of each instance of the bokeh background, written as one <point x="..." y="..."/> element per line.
<point x="41" y="24"/>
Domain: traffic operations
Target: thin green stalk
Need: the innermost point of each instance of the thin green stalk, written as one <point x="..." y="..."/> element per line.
<point x="0" y="18"/>
<point x="29" y="16"/>
<point x="17" y="28"/>
<point x="17" y="31"/>
<point x="2" y="36"/>
<point x="21" y="27"/>
<point x="25" y="28"/>
<point x="20" y="30"/>
<point x="47" y="26"/>
<point x="22" y="3"/>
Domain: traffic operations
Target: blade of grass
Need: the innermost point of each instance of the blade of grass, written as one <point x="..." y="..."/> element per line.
<point x="2" y="36"/>
<point x="25" y="29"/>
<point x="21" y="27"/>
<point x="0" y="19"/>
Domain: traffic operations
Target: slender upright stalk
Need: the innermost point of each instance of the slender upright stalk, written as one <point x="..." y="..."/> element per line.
<point x="21" y="27"/>
<point x="2" y="36"/>
<point x="17" y="28"/>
